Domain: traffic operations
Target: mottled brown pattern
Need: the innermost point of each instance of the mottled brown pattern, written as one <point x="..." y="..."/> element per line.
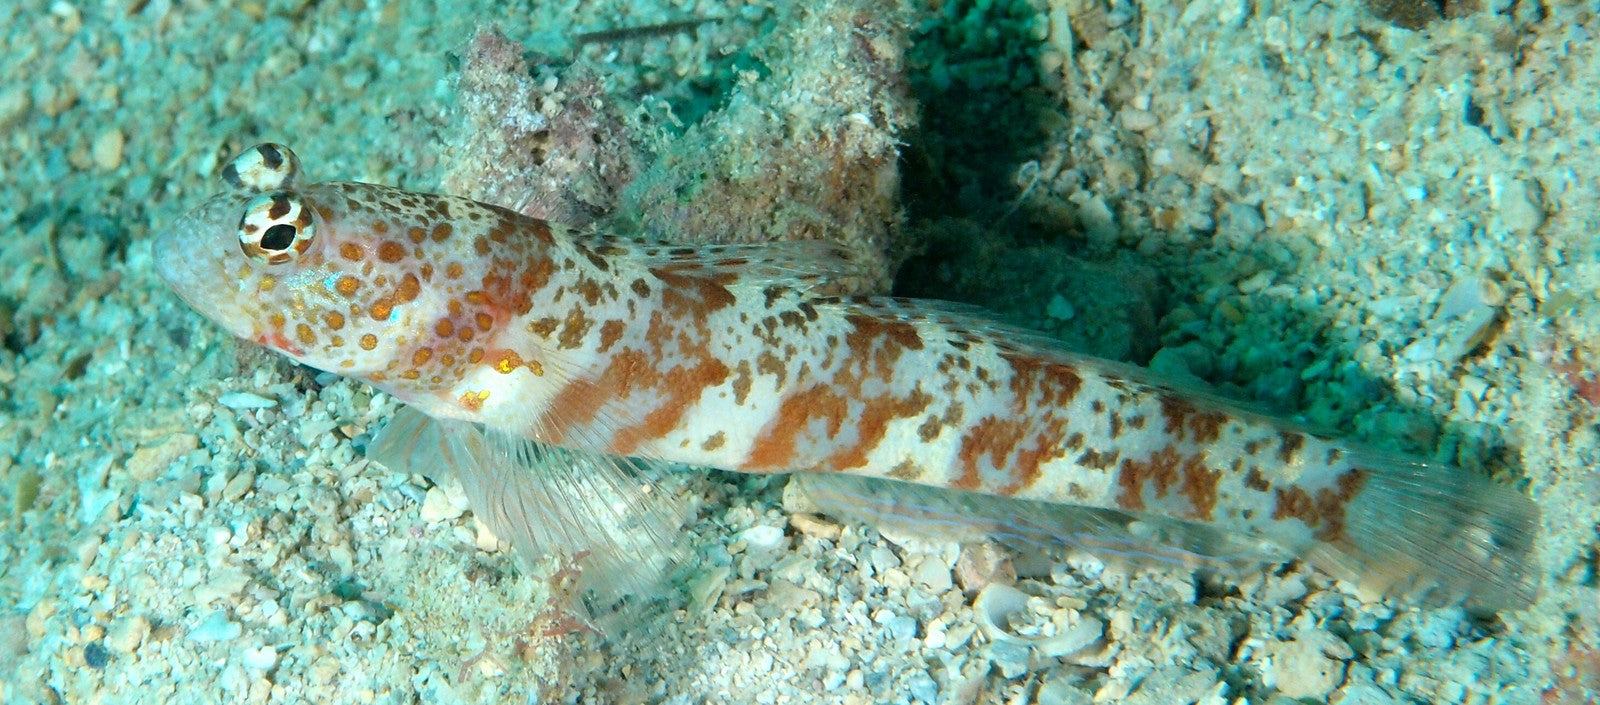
<point x="536" y="274"/>
<point x="1324" y="510"/>
<point x="874" y="422"/>
<point x="1199" y="486"/>
<point x="774" y="449"/>
<point x="770" y="364"/>
<point x="876" y="344"/>
<point x="1028" y="466"/>
<point x="573" y="329"/>
<point x="741" y="382"/>
<point x="1289" y="445"/>
<point x="906" y="470"/>
<point x="347" y="286"/>
<point x="682" y="387"/>
<point x="610" y="332"/>
<point x="543" y="327"/>
<point x="1098" y="460"/>
<point x="1161" y="469"/>
<point x="1206" y="426"/>
<point x="1041" y="384"/>
<point x="714" y="442"/>
<point x="991" y="437"/>
<point x="1255" y="480"/>
<point x="1184" y="421"/>
<point x="579" y="401"/>
<point x="693" y="297"/>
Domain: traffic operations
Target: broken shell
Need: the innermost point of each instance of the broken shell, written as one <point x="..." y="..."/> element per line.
<point x="997" y="603"/>
<point x="1068" y="632"/>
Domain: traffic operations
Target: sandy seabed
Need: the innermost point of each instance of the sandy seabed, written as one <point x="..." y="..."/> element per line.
<point x="1383" y="231"/>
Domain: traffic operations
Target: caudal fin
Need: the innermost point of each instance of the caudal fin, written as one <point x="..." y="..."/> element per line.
<point x="1438" y="532"/>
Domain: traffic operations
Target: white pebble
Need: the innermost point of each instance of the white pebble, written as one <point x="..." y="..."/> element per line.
<point x="1310" y="666"/>
<point x="245" y="400"/>
<point x="107" y="149"/>
<point x="762" y="538"/>
<point x="260" y="659"/>
<point x="437" y="506"/>
<point x="216" y="627"/>
<point x="933" y="575"/>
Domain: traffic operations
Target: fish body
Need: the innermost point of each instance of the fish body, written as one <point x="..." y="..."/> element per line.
<point x="735" y="357"/>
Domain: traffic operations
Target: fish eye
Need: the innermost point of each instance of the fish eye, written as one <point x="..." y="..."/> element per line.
<point x="263" y="167"/>
<point x="276" y="228"/>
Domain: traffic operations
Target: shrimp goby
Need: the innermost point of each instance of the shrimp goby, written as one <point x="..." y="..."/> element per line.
<point x="517" y="343"/>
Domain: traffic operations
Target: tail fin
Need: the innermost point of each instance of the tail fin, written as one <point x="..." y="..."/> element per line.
<point x="1436" y="531"/>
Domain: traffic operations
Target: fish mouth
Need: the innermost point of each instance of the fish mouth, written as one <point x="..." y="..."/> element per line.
<point x="186" y="257"/>
<point x="177" y="259"/>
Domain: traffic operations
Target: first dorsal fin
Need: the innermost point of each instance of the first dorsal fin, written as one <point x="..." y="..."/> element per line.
<point x="801" y="264"/>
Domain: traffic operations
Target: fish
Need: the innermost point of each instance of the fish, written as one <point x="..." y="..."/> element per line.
<point x="558" y="372"/>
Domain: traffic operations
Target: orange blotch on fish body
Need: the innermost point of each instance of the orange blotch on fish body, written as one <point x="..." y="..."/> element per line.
<point x="351" y="251"/>
<point x="347" y="285"/>
<point x="381" y="310"/>
<point x="409" y="289"/>
<point x="304" y="334"/>
<point x="333" y="320"/>
<point x="484" y="321"/>
<point x="444" y="328"/>
<point x="391" y="251"/>
<point x="369" y="342"/>
<point x="506" y="361"/>
<point x="421" y="356"/>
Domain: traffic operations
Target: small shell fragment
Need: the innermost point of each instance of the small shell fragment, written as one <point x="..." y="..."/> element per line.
<point x="1068" y="632"/>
